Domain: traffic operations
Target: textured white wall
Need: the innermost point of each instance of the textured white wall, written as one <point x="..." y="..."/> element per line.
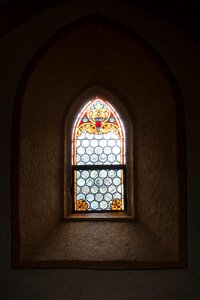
<point x="181" y="53"/>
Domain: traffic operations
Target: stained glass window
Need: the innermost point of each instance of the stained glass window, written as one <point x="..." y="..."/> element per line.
<point x="98" y="159"/>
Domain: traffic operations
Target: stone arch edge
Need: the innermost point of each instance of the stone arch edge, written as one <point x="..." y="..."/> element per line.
<point x="16" y="263"/>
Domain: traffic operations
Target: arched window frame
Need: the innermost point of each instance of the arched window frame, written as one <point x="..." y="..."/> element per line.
<point x="77" y="106"/>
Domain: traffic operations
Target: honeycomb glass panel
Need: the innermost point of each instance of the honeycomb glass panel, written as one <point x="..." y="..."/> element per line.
<point x="98" y="143"/>
<point x="91" y="193"/>
<point x="99" y="150"/>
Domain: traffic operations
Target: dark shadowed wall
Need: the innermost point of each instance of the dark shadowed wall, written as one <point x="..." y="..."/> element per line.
<point x="97" y="51"/>
<point x="181" y="53"/>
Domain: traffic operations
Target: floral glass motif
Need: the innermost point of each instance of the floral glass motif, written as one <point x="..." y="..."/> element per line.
<point x="98" y="159"/>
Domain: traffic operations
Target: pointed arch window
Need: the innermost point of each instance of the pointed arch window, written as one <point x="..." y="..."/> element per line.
<point x="98" y="159"/>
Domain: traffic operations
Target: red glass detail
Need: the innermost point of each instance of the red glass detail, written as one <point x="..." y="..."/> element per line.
<point x="98" y="124"/>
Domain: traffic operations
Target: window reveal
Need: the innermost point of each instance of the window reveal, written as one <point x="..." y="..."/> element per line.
<point x="98" y="159"/>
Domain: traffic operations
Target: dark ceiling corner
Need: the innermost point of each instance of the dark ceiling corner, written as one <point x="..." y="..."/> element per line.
<point x="14" y="13"/>
<point x="184" y="14"/>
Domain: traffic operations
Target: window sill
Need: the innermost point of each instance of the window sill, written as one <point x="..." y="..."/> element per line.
<point x="122" y="216"/>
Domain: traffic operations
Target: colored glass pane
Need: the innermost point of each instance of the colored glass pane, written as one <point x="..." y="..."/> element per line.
<point x="98" y="140"/>
<point x="99" y="188"/>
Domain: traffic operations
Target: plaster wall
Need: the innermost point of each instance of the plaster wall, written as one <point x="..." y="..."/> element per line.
<point x="94" y="53"/>
<point x="182" y="55"/>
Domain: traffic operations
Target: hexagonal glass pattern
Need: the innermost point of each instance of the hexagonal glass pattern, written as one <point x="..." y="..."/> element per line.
<point x="99" y="149"/>
<point x="98" y="140"/>
<point x="99" y="187"/>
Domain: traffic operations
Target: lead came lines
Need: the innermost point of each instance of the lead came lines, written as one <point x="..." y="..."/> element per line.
<point x="98" y="140"/>
<point x="99" y="187"/>
<point x="102" y="149"/>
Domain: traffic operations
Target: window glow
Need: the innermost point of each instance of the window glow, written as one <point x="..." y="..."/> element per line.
<point x="98" y="158"/>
